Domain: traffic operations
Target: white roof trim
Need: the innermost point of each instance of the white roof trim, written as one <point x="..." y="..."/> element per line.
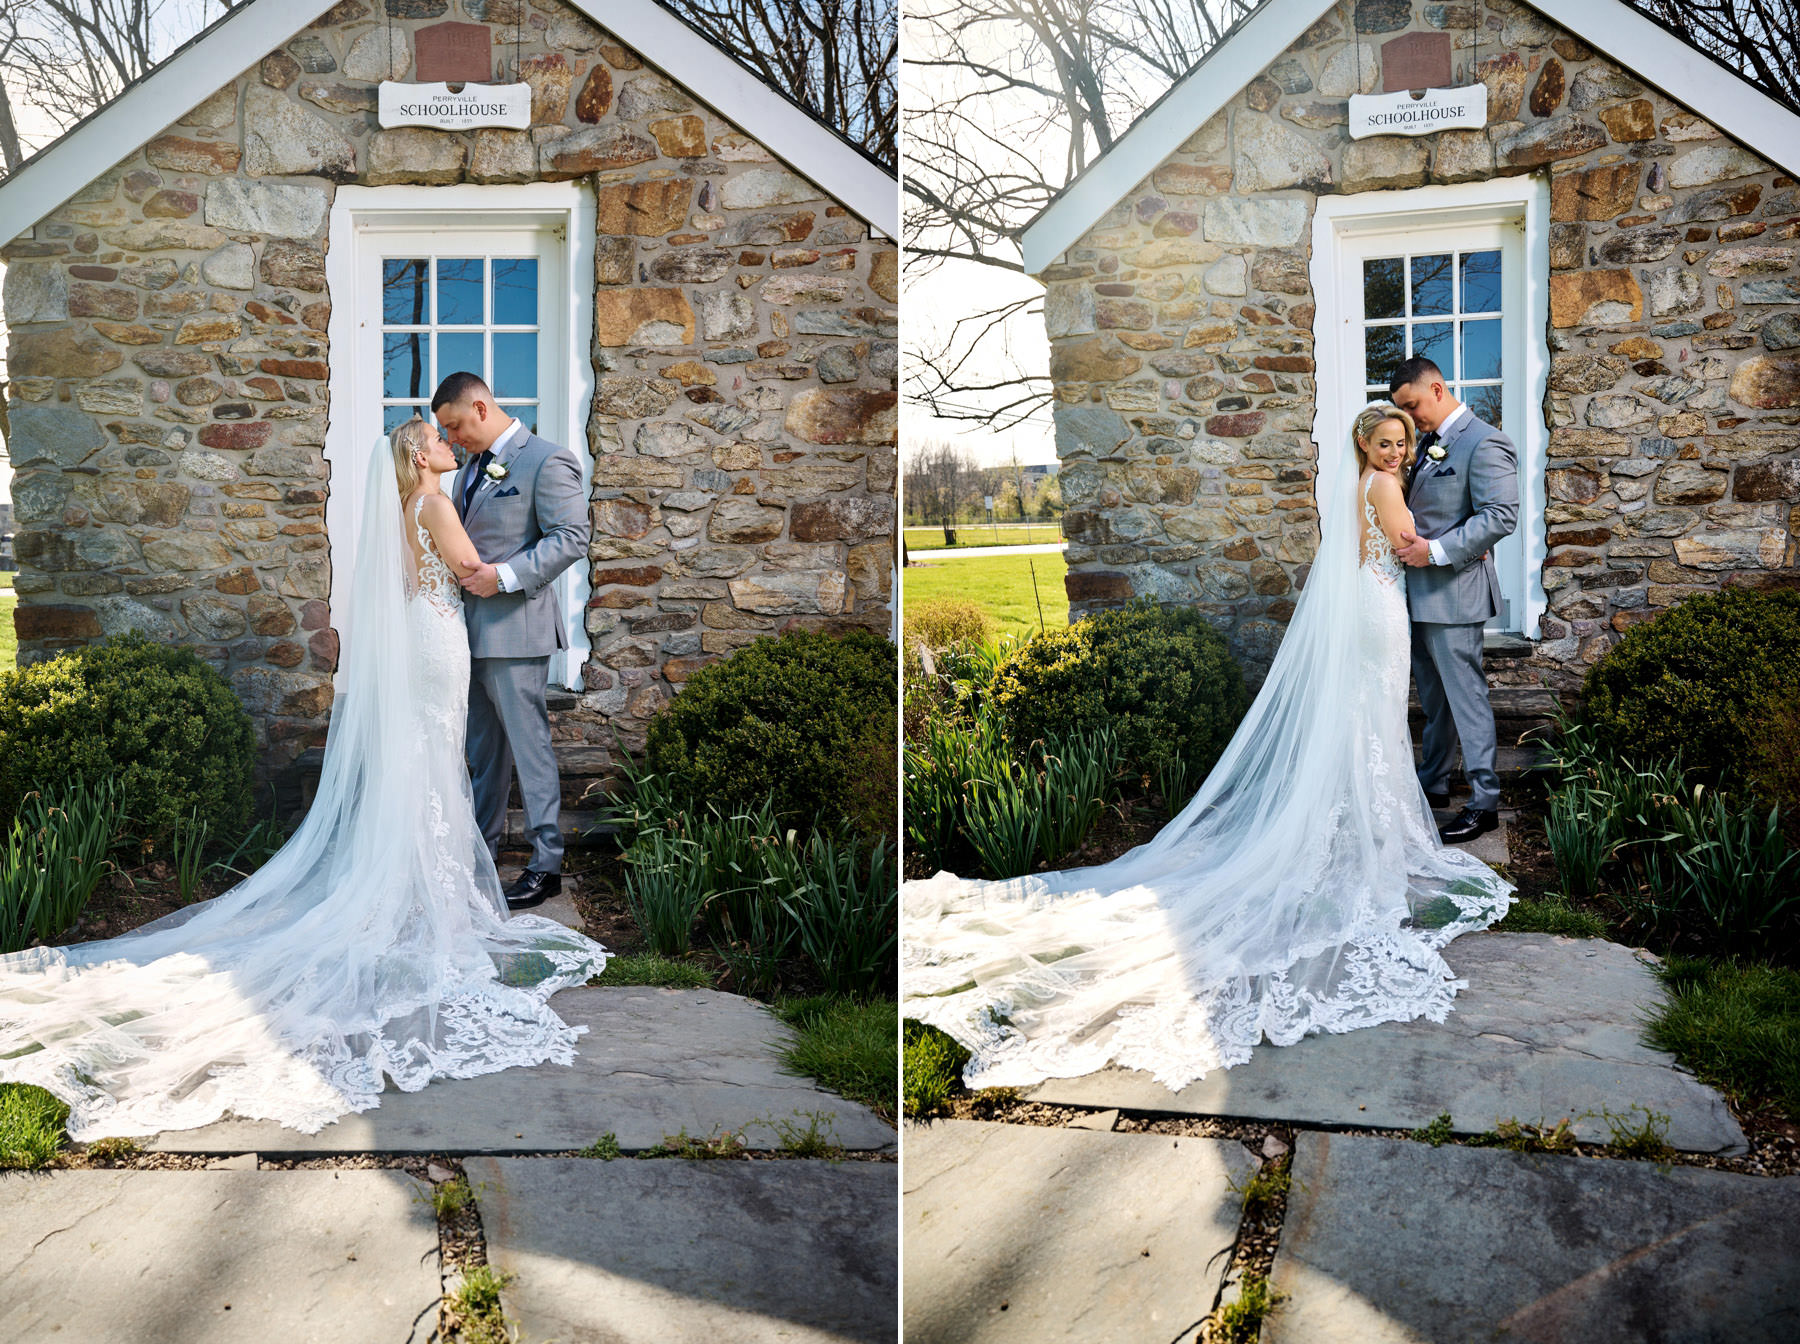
<point x="241" y="40"/>
<point x="1737" y="107"/>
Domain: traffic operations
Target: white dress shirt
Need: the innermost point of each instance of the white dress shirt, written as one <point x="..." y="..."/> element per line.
<point x="509" y="583"/>
<point x="1443" y="432"/>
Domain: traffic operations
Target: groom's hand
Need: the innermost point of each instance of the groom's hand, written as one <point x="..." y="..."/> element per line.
<point x="483" y="581"/>
<point x="1415" y="551"/>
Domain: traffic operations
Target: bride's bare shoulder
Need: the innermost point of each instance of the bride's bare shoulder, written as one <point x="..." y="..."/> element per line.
<point x="1384" y="484"/>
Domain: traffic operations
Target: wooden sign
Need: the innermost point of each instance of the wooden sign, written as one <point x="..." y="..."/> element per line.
<point x="1402" y="114"/>
<point x="462" y="53"/>
<point x="1410" y="61"/>
<point x="434" y="105"/>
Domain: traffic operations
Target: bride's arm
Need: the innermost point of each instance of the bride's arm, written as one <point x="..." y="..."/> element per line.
<point x="439" y="517"/>
<point x="1390" y="509"/>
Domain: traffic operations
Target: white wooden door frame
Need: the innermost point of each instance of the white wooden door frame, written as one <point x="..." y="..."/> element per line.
<point x="1344" y="229"/>
<point x="363" y="215"/>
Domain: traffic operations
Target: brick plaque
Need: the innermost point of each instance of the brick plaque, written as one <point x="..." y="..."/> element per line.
<point x="1415" y="61"/>
<point x="461" y="53"/>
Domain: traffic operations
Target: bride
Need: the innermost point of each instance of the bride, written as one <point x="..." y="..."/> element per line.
<point x="1302" y="889"/>
<point x="375" y="945"/>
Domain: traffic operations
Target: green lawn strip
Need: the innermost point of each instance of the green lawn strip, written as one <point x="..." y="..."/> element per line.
<point x="847" y="1045"/>
<point x="1000" y="585"/>
<point x="9" y="641"/>
<point x="1007" y="534"/>
<point x="1736" y="1025"/>
<point x="652" y="968"/>
<point x="1551" y="914"/>
<point x="31" y="1126"/>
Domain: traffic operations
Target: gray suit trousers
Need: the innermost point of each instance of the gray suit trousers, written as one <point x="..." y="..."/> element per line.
<point x="1446" y="666"/>
<point x="510" y="727"/>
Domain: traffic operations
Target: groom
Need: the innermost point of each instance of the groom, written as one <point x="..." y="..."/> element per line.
<point x="520" y="500"/>
<point x="1464" y="497"/>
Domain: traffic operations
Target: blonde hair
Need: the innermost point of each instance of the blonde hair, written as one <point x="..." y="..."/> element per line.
<point x="1372" y="415"/>
<point x="406" y="441"/>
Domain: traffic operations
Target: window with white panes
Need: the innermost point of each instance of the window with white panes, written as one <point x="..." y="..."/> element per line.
<point x="1445" y="306"/>
<point x="445" y="314"/>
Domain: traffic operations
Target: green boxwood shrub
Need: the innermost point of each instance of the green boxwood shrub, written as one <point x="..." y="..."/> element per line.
<point x="1163" y="680"/>
<point x="158" y="720"/>
<point x="1700" y="680"/>
<point x="807" y="719"/>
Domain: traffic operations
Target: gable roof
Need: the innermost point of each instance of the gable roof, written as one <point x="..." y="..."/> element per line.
<point x="238" y="41"/>
<point x="1623" y="34"/>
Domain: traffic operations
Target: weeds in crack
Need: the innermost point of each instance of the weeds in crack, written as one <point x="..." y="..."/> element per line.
<point x="1437" y="1133"/>
<point x="1519" y="1137"/>
<point x="1241" y="1321"/>
<point x="1646" y="1140"/>
<point x="605" y="1148"/>
<point x="1267" y="1185"/>
<point x="472" y="1309"/>
<point x="113" y="1150"/>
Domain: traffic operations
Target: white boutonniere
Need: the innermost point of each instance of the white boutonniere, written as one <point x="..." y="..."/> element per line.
<point x="1436" y="453"/>
<point x="495" y="472"/>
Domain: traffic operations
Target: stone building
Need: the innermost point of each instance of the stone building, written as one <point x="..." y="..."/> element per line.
<point x="1602" y="259"/>
<point x="220" y="292"/>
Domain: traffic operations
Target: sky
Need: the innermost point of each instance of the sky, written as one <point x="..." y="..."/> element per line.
<point x="932" y="302"/>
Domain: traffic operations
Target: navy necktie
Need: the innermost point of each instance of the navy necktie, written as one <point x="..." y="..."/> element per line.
<point x="1426" y="439"/>
<point x="475" y="469"/>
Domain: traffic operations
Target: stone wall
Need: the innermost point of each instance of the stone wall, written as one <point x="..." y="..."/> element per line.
<point x="169" y="360"/>
<point x="1181" y="337"/>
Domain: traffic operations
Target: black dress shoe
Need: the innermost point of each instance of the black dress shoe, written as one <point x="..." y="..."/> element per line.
<point x="1470" y="823"/>
<point x="1440" y="801"/>
<point x="532" y="889"/>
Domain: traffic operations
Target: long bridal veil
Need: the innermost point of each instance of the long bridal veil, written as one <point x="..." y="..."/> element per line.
<point x="1303" y="887"/>
<point x="373" y="945"/>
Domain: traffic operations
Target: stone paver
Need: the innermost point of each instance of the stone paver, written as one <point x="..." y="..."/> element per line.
<point x="653" y="1062"/>
<point x="682" y="1252"/>
<point x="1031" y="1234"/>
<point x="1548" y="1027"/>
<point x="216" y="1257"/>
<point x="1388" y="1242"/>
<point x="1489" y="848"/>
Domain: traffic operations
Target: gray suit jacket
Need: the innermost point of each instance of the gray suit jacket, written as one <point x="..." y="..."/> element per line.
<point x="1467" y="502"/>
<point x="535" y="520"/>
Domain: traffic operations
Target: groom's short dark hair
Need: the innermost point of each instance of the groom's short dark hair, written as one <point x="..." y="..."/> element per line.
<point x="1409" y="371"/>
<point x="458" y="386"/>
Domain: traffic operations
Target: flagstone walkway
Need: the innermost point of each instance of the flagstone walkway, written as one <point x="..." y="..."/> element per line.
<point x="1061" y="1226"/>
<point x="625" y="1250"/>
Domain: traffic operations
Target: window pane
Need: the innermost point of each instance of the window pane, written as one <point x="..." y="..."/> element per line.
<point x="403" y="369"/>
<point x="459" y="296"/>
<point x="403" y="292"/>
<point x="460" y="352"/>
<point x="1431" y="284"/>
<point x="1385" y="347"/>
<point x="529" y="414"/>
<point x="1384" y="288"/>
<point x="1435" y="342"/>
<point x="1481" y="282"/>
<point x="515" y="364"/>
<point x="1485" y="402"/>
<point x="1481" y="349"/>
<point x="516" y="291"/>
<point x="392" y="417"/>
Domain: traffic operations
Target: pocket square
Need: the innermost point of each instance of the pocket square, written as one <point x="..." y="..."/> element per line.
<point x="510" y="490"/>
<point x="1447" y="471"/>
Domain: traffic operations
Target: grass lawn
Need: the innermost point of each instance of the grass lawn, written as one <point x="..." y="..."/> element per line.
<point x="980" y="534"/>
<point x="1000" y="584"/>
<point x="847" y="1045"/>
<point x="1735" y="1025"/>
<point x="9" y="642"/>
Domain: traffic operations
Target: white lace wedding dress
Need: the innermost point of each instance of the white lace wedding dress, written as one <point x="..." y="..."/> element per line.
<point x="374" y="946"/>
<point x="1302" y="889"/>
